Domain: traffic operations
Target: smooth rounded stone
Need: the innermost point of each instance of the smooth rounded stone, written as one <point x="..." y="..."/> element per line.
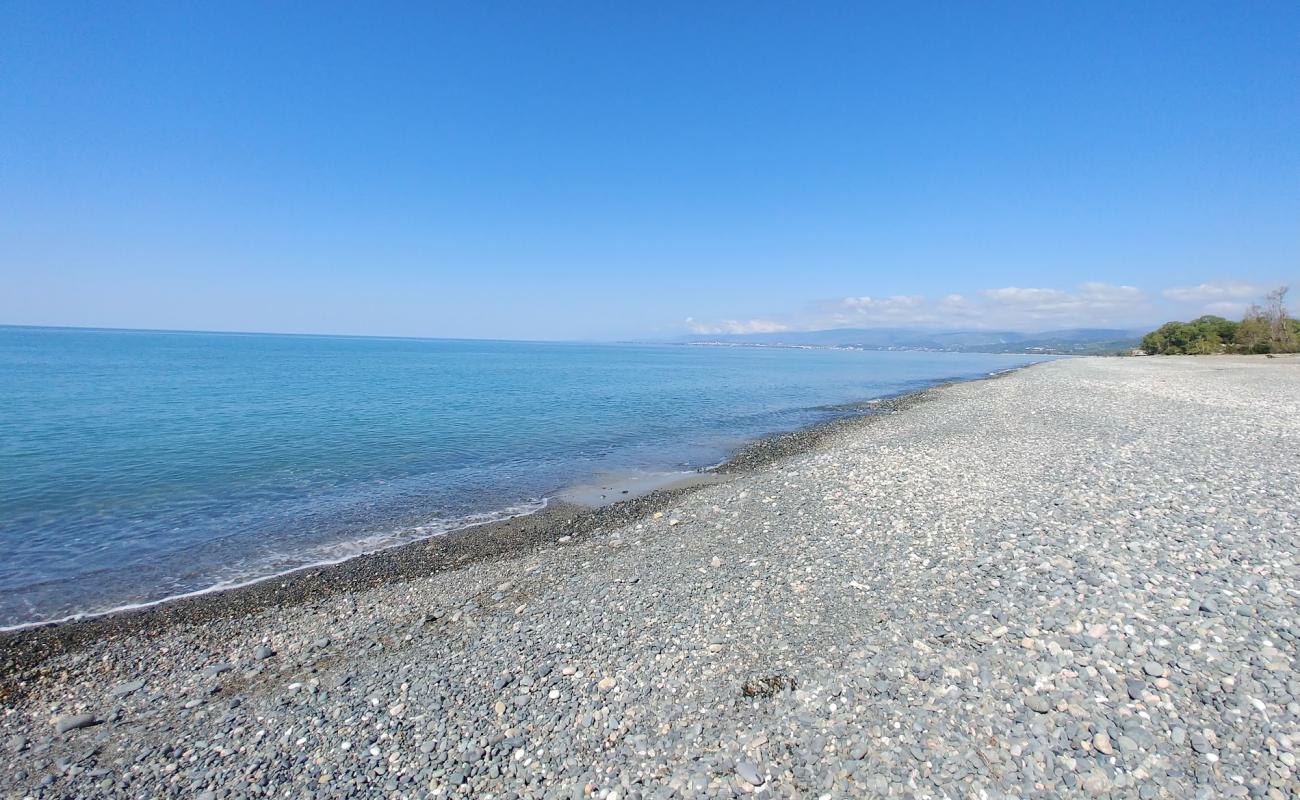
<point x="73" y="722"/>
<point x="1101" y="743"/>
<point x="1153" y="669"/>
<point x="218" y="669"/>
<point x="262" y="652"/>
<point x="749" y="772"/>
<point x="1135" y="688"/>
<point x="126" y="688"/>
<point x="1038" y="704"/>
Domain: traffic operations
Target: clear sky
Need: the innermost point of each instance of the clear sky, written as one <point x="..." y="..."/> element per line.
<point x="604" y="170"/>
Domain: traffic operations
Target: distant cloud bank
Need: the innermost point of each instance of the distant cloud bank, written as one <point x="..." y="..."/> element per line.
<point x="736" y="326"/>
<point x="1091" y="304"/>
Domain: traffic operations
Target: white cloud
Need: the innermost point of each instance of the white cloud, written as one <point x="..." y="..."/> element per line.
<point x="1108" y="293"/>
<point x="899" y="309"/>
<point x="890" y="304"/>
<point x="1015" y="295"/>
<point x="1227" y="308"/>
<point x="1216" y="291"/>
<point x="736" y="326"/>
<point x="1092" y="304"/>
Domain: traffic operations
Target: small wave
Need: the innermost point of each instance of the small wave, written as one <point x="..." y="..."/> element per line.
<point x="324" y="556"/>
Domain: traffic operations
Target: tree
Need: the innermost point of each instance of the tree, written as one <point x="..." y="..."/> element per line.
<point x="1202" y="336"/>
<point x="1266" y="329"/>
<point x="1252" y="333"/>
<point x="1281" y="331"/>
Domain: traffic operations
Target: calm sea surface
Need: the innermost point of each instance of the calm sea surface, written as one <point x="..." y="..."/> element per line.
<point x="136" y="466"/>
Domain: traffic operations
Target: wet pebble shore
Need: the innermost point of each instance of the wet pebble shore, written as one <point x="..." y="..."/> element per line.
<point x="1075" y="580"/>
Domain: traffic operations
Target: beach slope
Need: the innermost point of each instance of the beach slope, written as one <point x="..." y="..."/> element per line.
<point x="1079" y="579"/>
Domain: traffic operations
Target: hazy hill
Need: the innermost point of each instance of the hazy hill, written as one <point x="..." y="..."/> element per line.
<point x="1073" y="340"/>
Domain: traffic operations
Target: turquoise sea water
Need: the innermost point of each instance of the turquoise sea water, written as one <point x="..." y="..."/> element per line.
<point x="135" y="466"/>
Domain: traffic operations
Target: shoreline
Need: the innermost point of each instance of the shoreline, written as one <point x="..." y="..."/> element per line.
<point x="1076" y="581"/>
<point x="25" y="647"/>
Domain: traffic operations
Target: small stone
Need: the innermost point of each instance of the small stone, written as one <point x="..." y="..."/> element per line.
<point x="748" y="772"/>
<point x="217" y="669"/>
<point x="72" y="722"/>
<point x="1097" y="782"/>
<point x="124" y="689"/>
<point x="1135" y="688"/>
<point x="1101" y="743"/>
<point x="1038" y="704"/>
<point x="262" y="652"/>
<point x="606" y="684"/>
<point x="1153" y="669"/>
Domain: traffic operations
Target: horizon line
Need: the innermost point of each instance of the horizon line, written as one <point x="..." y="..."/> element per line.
<point x="318" y="335"/>
<point x="677" y="338"/>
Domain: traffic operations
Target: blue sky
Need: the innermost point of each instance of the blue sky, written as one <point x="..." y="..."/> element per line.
<point x="608" y="170"/>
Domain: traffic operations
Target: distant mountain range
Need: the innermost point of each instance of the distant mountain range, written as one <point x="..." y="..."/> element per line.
<point x="1076" y="341"/>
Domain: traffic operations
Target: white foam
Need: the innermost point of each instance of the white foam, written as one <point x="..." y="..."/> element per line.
<point x="330" y="555"/>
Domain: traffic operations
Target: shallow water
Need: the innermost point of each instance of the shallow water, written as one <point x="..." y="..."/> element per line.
<point x="136" y="466"/>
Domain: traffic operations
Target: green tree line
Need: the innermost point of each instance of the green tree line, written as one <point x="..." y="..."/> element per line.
<point x="1264" y="329"/>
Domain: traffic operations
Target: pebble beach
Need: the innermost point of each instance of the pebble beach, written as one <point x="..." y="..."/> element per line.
<point x="1079" y="579"/>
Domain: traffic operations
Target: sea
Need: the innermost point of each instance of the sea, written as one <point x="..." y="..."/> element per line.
<point x="137" y="466"/>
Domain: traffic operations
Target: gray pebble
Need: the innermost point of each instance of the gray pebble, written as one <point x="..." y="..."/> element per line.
<point x="73" y="722"/>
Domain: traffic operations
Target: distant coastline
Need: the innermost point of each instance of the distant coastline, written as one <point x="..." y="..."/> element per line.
<point x="1104" y="349"/>
<point x="1075" y="341"/>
